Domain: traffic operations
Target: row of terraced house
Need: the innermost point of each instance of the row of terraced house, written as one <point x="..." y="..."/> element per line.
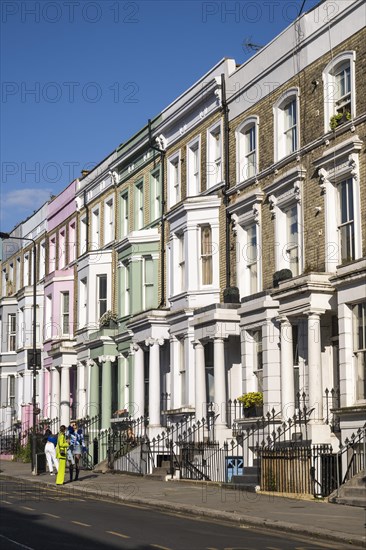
<point x="218" y="251"/>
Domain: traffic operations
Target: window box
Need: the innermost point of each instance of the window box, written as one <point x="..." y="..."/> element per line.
<point x="338" y="119"/>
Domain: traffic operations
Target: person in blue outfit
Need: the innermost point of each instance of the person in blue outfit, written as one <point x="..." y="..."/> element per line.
<point x="78" y="447"/>
<point x="71" y="438"/>
<point x="50" y="451"/>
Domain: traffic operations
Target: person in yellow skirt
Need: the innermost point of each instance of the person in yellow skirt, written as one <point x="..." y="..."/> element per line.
<point x="61" y="454"/>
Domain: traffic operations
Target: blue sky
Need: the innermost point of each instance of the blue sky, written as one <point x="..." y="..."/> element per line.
<point x="79" y="77"/>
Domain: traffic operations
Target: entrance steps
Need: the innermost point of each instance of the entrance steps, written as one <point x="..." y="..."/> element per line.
<point x="352" y="493"/>
<point x="248" y="481"/>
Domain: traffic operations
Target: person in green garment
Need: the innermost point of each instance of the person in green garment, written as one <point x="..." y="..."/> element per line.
<point x="61" y="454"/>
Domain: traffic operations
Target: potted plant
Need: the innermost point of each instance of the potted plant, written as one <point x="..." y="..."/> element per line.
<point x="108" y="320"/>
<point x="252" y="404"/>
<point x="338" y="119"/>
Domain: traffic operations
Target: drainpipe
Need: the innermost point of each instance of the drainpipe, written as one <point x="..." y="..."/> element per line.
<point x="231" y="294"/>
<point x="161" y="152"/>
<point x="225" y="111"/>
<point x="86" y="223"/>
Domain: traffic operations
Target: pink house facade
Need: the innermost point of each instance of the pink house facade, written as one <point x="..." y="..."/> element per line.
<point x="59" y="364"/>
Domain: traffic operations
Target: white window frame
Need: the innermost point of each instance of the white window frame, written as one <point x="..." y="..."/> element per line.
<point x="284" y="194"/>
<point x="249" y="261"/>
<point x="126" y="266"/>
<point x="347" y="224"/>
<point x="139" y="204"/>
<point x="280" y="128"/>
<point x="109" y="220"/>
<point x="155" y="194"/>
<point x="72" y="242"/>
<point x="331" y="97"/>
<point x="83" y="303"/>
<point x="102" y="301"/>
<point x="83" y="235"/>
<point x="42" y="259"/>
<point x="181" y="262"/>
<point x="124" y="213"/>
<point x="26" y="269"/>
<point x="65" y="313"/>
<point x="95" y="233"/>
<point x="48" y="317"/>
<point x="174" y="179"/>
<point x="193" y="175"/>
<point x="205" y="256"/>
<point x="11" y="392"/>
<point x="18" y="268"/>
<point x="340" y="163"/>
<point x="214" y="158"/>
<point x="359" y="350"/>
<point x="62" y="248"/>
<point x="12" y="332"/>
<point x="246" y="214"/>
<point x="148" y="286"/>
<point x="243" y="153"/>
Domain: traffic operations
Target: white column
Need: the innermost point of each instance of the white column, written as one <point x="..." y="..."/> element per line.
<point x="123" y="382"/>
<point x="93" y="405"/>
<point x="55" y="393"/>
<point x="139" y="381"/>
<point x="346" y="375"/>
<point x="314" y="366"/>
<point x="41" y="390"/>
<point x="200" y="380"/>
<point x="106" y="366"/>
<point x="191" y="251"/>
<point x="81" y="390"/>
<point x="154" y="382"/>
<point x="65" y="395"/>
<point x="27" y="386"/>
<point x="219" y="379"/>
<point x="175" y="381"/>
<point x="287" y="370"/>
<point x="20" y="399"/>
<point x="189" y="366"/>
<point x="271" y="366"/>
<point x="247" y="357"/>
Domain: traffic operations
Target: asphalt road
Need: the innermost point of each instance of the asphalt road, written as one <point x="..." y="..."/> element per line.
<point x="44" y="518"/>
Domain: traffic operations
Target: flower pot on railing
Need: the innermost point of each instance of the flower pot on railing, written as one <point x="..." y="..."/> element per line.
<point x="252" y="404"/>
<point x="254" y="411"/>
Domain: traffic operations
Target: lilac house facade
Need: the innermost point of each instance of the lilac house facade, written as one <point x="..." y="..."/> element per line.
<point x="59" y="370"/>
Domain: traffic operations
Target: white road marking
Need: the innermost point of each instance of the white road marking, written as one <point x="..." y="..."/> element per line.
<point x="118" y="534"/>
<point x="82" y="524"/>
<point x="17" y="543"/>
<point x="51" y="515"/>
<point x="27" y="508"/>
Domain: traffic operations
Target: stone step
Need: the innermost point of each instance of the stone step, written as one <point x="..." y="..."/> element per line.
<point x="354" y="501"/>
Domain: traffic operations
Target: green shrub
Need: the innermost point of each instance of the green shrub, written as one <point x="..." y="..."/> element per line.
<point x="250" y="399"/>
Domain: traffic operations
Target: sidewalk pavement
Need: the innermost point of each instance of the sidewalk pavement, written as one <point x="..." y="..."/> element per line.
<point x="300" y="515"/>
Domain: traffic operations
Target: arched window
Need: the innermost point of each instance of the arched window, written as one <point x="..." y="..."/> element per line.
<point x="339" y="90"/>
<point x="247" y="149"/>
<point x="286" y="124"/>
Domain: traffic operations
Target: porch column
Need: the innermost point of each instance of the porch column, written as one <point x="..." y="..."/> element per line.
<point x="55" y="401"/>
<point x="65" y="395"/>
<point x="200" y="380"/>
<point x="154" y="381"/>
<point x="219" y="379"/>
<point x="81" y="390"/>
<point x="94" y="388"/>
<point x="314" y="366"/>
<point x="138" y="381"/>
<point x="123" y="381"/>
<point x="175" y="379"/>
<point x="106" y="362"/>
<point x="287" y="370"/>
